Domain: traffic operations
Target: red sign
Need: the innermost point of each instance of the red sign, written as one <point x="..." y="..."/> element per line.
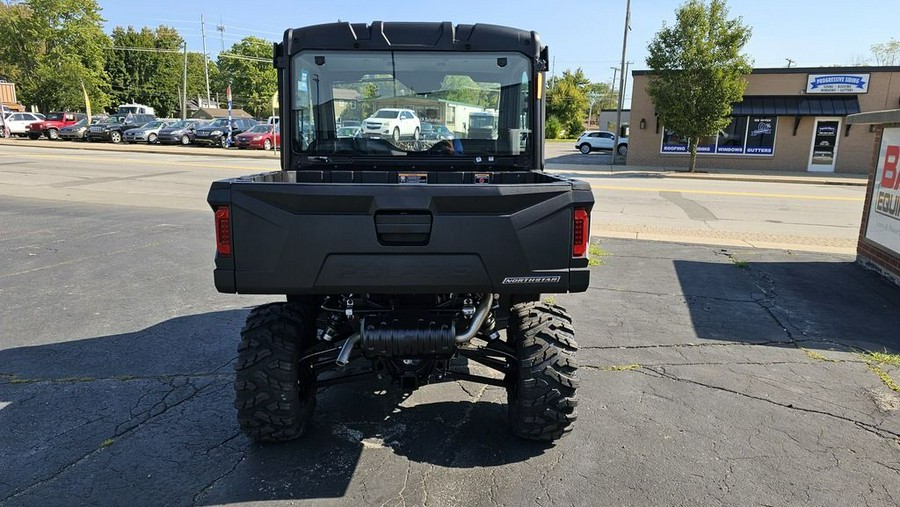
<point x="890" y="179"/>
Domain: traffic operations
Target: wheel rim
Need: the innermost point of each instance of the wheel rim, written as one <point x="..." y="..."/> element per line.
<point x="185" y="139"/>
<point x="396" y="134"/>
<point x="623" y="150"/>
<point x="585" y="149"/>
<point x="416" y="134"/>
<point x="52" y="134"/>
<point x="151" y="138"/>
<point x="223" y="142"/>
<point x="115" y="137"/>
<point x="267" y="144"/>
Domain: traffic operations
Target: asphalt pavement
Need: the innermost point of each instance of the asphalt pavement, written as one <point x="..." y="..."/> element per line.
<point x="709" y="376"/>
<point x="561" y="156"/>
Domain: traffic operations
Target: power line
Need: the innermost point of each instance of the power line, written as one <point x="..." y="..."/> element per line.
<point x="145" y="50"/>
<point x="242" y="57"/>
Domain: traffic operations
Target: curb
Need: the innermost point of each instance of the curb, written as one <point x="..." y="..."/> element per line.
<point x="609" y="172"/>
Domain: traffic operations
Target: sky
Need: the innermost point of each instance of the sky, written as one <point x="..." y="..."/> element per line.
<point x="587" y="34"/>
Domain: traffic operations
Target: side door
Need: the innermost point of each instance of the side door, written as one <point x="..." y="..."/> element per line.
<point x="606" y="140"/>
<point x="18" y="122"/>
<point x="406" y="123"/>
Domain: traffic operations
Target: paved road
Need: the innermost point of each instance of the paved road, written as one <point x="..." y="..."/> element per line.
<point x="822" y="218"/>
<point x="709" y="376"/>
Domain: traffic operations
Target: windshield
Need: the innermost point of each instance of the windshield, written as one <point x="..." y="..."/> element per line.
<point x="179" y="125"/>
<point x="153" y="125"/>
<point x="81" y="123"/>
<point x="262" y="129"/>
<point x="221" y="122"/>
<point x="482" y="100"/>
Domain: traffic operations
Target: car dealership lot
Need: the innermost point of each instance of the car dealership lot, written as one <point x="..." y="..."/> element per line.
<point x="710" y="374"/>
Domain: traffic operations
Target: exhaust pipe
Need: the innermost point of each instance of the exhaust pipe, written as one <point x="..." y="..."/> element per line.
<point x="343" y="357"/>
<point x="481" y="314"/>
<point x="484" y="309"/>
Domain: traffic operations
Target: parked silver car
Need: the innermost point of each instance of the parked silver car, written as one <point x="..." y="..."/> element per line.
<point x="146" y="133"/>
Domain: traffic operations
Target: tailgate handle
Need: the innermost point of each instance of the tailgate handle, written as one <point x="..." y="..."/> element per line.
<point x="403" y="227"/>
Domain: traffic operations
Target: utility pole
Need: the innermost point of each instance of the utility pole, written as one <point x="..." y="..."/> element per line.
<point x="612" y="84"/>
<point x="184" y="86"/>
<point x="206" y="58"/>
<point x="592" y="97"/>
<point x="622" y="79"/>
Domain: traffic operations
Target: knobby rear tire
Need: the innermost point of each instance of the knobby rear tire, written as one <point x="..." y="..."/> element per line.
<point x="541" y="390"/>
<point x="274" y="395"/>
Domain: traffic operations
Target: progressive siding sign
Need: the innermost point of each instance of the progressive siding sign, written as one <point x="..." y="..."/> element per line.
<point x="884" y="215"/>
<point x="837" y="83"/>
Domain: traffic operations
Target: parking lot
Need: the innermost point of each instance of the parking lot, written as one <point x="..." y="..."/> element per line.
<point x="710" y="375"/>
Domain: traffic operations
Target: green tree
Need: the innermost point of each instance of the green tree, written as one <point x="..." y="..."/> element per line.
<point x="146" y="66"/>
<point x="464" y="89"/>
<point x="196" y="76"/>
<point x="248" y="67"/>
<point x="698" y="71"/>
<point x="50" y="47"/>
<point x="886" y="53"/>
<point x="567" y="100"/>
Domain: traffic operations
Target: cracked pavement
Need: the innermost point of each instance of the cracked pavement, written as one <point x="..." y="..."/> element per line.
<point x="710" y="376"/>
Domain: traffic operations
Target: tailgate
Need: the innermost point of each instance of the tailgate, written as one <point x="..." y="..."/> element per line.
<point x="314" y="238"/>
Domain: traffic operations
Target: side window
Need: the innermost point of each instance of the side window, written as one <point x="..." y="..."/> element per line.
<point x="18" y="117"/>
<point x="607" y="135"/>
<point x="594" y="134"/>
<point x="70" y="117"/>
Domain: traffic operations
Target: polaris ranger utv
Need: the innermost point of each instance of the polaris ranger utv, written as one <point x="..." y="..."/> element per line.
<point x="412" y="258"/>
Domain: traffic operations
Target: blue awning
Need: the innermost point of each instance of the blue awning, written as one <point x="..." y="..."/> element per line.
<point x="802" y="105"/>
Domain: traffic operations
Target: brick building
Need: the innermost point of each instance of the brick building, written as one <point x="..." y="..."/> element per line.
<point x="789" y="119"/>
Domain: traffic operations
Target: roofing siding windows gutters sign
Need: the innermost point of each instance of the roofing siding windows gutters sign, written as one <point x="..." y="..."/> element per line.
<point x="884" y="216"/>
<point x="837" y="83"/>
<point x="745" y="135"/>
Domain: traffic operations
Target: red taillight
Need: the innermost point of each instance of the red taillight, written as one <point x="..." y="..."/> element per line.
<point x="223" y="231"/>
<point x="581" y="232"/>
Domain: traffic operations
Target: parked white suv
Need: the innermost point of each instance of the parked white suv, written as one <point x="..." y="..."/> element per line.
<point x="396" y="123"/>
<point x="594" y="140"/>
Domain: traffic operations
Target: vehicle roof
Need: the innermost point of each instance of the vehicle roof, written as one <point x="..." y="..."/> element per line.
<point x="428" y="36"/>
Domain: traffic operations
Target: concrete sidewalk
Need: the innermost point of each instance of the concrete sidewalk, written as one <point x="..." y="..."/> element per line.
<point x="580" y="170"/>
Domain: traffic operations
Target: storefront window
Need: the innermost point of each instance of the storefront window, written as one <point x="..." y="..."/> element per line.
<point x="731" y="138"/>
<point x="745" y="135"/>
<point x="673" y="143"/>
<point x="761" y="135"/>
<point x="707" y="145"/>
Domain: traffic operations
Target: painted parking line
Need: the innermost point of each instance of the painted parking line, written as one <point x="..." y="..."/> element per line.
<point x="727" y="193"/>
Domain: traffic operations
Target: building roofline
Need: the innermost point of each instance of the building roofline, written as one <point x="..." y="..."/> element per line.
<point x="803" y="70"/>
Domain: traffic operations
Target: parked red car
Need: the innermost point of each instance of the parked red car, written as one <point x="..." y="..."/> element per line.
<point x="52" y="124"/>
<point x="259" y="137"/>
